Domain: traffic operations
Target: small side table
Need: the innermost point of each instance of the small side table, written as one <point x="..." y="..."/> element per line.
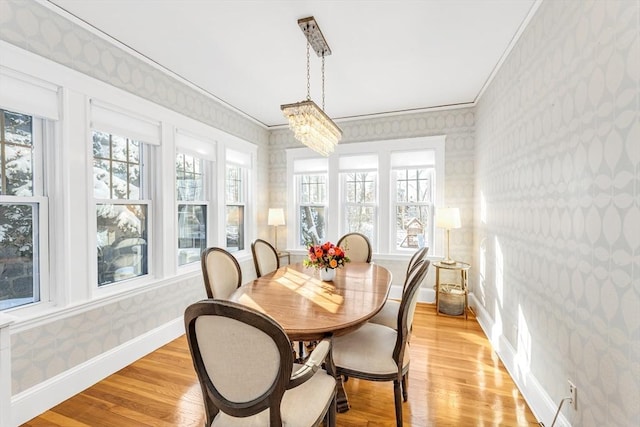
<point x="461" y="286"/>
<point x="285" y="254"/>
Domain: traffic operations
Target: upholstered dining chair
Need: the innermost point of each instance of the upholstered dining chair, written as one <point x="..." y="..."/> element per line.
<point x="378" y="353"/>
<point x="221" y="271"/>
<point x="255" y="388"/>
<point x="388" y="316"/>
<point x="356" y="246"/>
<point x="265" y="257"/>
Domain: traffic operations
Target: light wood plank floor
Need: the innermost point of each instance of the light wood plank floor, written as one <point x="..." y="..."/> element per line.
<point x="455" y="380"/>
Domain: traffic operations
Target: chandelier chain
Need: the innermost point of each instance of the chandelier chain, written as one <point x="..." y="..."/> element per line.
<point x="322" y="81"/>
<point x="308" y="75"/>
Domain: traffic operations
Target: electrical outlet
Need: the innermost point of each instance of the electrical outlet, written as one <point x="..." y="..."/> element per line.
<point x="573" y="393"/>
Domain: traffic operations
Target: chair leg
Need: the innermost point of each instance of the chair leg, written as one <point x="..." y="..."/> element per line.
<point x="405" y="393"/>
<point x="398" y="402"/>
<point x="330" y="417"/>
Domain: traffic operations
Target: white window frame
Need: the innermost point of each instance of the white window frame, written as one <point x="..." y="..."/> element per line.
<point x="386" y="211"/>
<point x="42" y="133"/>
<point x="124" y="123"/>
<point x="373" y="205"/>
<point x="237" y="152"/>
<point x="318" y="167"/>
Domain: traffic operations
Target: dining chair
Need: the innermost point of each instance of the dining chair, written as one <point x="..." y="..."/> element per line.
<point x="265" y="257"/>
<point x="255" y="388"/>
<point x="221" y="271"/>
<point x="378" y="353"/>
<point x="388" y="316"/>
<point x="356" y="246"/>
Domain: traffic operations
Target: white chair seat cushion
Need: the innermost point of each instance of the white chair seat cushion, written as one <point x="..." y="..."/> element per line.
<point x="301" y="406"/>
<point x="369" y="350"/>
<point x="388" y="316"/>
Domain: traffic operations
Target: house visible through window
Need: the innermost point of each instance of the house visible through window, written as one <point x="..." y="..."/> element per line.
<point x="121" y="211"/>
<point x="22" y="208"/>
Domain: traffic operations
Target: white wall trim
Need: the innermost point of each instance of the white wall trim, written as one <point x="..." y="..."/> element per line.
<point x="541" y="404"/>
<point x="45" y="395"/>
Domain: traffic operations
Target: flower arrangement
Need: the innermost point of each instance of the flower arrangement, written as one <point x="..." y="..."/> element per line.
<point x="326" y="255"/>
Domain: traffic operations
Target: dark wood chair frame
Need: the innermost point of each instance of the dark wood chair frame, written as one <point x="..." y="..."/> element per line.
<point x="255" y="258"/>
<point x="205" y="273"/>
<point x="286" y="379"/>
<point x="399" y="378"/>
<point x="346" y="236"/>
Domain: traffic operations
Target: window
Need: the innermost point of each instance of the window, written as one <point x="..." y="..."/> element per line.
<point x="414" y="208"/>
<point x="23" y="210"/>
<point x="235" y="189"/>
<point x="192" y="208"/>
<point x="359" y="195"/>
<point x="386" y="190"/>
<point x="121" y="211"/>
<point x="311" y="200"/>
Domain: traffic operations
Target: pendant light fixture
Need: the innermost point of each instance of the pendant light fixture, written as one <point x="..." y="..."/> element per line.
<point x="309" y="123"/>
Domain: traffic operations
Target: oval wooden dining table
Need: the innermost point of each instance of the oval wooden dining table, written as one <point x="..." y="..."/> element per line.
<point x="309" y="309"/>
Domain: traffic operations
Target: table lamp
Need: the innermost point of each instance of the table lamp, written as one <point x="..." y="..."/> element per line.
<point x="448" y="218"/>
<point x="276" y="218"/>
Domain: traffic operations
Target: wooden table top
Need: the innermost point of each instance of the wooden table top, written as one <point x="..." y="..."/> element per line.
<point x="308" y="308"/>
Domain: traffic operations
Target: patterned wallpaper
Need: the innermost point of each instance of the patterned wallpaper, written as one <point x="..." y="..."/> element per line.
<point x="557" y="194"/>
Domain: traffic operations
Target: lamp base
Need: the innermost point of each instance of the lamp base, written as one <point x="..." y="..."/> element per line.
<point x="448" y="261"/>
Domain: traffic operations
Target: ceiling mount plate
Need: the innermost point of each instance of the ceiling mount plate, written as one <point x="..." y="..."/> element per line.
<point x="310" y="28"/>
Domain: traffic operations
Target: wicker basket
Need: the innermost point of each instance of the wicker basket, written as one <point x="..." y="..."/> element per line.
<point x="451" y="299"/>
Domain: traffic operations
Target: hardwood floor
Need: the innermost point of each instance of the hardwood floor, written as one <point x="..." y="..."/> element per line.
<point x="455" y="380"/>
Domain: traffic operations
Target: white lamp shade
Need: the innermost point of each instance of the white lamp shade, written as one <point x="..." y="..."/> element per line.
<point x="276" y="216"/>
<point x="448" y="218"/>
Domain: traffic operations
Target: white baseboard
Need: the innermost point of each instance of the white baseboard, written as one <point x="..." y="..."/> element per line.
<point x="44" y="396"/>
<point x="541" y="404"/>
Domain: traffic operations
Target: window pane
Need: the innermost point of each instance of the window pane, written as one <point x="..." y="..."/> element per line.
<point x="19" y="282"/>
<point x="235" y="228"/>
<point x="313" y="189"/>
<point x="312" y="225"/>
<point x="16" y="155"/>
<point x="360" y="219"/>
<point x="414" y="185"/>
<point x="412" y="226"/>
<point x="234" y="193"/>
<point x="189" y="178"/>
<point x="122" y="242"/>
<point x="116" y="173"/>
<point x="360" y="187"/>
<point x="192" y="232"/>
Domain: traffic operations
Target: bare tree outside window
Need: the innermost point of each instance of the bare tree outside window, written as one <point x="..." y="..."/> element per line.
<point x="312" y="200"/>
<point x="19" y="280"/>
<point x="360" y="203"/>
<point x="235" y="204"/>
<point x="192" y="208"/>
<point x="121" y="224"/>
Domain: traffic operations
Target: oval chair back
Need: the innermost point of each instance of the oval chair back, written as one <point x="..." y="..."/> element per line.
<point x="221" y="272"/>
<point x="265" y="257"/>
<point x="356" y="246"/>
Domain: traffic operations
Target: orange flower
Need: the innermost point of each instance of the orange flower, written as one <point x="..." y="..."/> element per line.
<point x="333" y="263"/>
<point x="338" y="251"/>
<point x="319" y="253"/>
<point x="326" y="246"/>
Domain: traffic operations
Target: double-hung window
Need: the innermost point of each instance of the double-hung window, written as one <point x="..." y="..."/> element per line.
<point x="311" y="190"/>
<point x="236" y="186"/>
<point x="192" y="207"/>
<point x="120" y="190"/>
<point x="23" y="209"/>
<point x="413" y="175"/>
<point x="359" y="183"/>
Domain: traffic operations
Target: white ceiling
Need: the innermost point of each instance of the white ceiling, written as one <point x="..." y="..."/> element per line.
<point x="387" y="56"/>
